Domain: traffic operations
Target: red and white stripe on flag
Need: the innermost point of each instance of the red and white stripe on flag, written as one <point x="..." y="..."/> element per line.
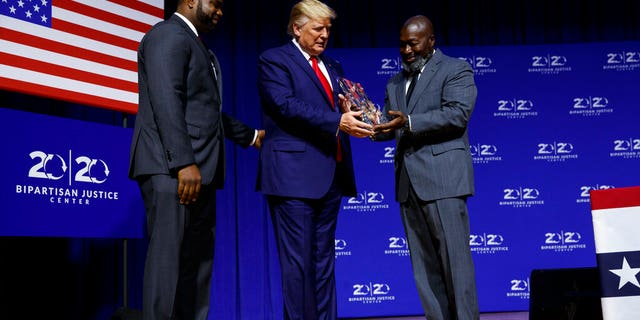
<point x="83" y="51"/>
<point x="616" y="225"/>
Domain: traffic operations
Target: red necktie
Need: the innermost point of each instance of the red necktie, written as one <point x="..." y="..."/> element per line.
<point x="329" y="92"/>
<point x="323" y="80"/>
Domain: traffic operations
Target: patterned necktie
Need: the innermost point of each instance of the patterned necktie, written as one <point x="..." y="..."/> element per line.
<point x="323" y="80"/>
<point x="329" y="92"/>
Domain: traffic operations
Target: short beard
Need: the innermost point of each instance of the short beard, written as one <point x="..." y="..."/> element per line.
<point x="416" y="66"/>
<point x="203" y="18"/>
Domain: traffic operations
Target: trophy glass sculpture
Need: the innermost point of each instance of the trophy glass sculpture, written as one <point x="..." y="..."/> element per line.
<point x="357" y="100"/>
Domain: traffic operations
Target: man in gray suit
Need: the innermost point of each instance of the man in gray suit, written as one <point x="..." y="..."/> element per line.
<point x="177" y="158"/>
<point x="431" y="103"/>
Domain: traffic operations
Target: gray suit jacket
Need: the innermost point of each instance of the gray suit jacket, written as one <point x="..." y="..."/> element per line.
<point x="436" y="150"/>
<point x="180" y="119"/>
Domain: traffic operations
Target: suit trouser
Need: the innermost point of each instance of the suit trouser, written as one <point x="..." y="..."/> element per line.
<point x="178" y="267"/>
<point x="305" y="235"/>
<point x="438" y="236"/>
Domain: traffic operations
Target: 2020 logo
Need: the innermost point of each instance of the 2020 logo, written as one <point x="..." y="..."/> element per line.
<point x="622" y="61"/>
<point x="549" y="64"/>
<point x="483" y="150"/>
<point x="562" y="241"/>
<point x="590" y="102"/>
<point x="626" y="144"/>
<point x="519" y="285"/>
<point x="487" y="243"/>
<point x="515" y="108"/>
<point x="54" y="167"/>
<point x="521" y="197"/>
<point x="511" y="105"/>
<point x="623" y="57"/>
<point x="585" y="190"/>
<point x="367" y="197"/>
<point x="397" y="243"/>
<point x="481" y="65"/>
<point x="390" y="63"/>
<point x="628" y="148"/>
<point x="478" y="61"/>
<point x="555" y="148"/>
<point x="485" y="239"/>
<point x="366" y="201"/>
<point x="562" y="237"/>
<point x="548" y="61"/>
<point x="519" y="288"/>
<point x="521" y="193"/>
<point x="482" y="153"/>
<point x="371" y="289"/>
<point x="556" y="151"/>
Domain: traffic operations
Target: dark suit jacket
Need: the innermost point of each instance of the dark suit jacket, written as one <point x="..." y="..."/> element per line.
<point x="297" y="158"/>
<point x="436" y="151"/>
<point x="180" y="119"/>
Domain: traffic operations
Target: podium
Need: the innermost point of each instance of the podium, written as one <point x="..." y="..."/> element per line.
<point x="616" y="225"/>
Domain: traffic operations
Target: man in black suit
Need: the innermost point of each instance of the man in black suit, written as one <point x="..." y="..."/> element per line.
<point x="177" y="158"/>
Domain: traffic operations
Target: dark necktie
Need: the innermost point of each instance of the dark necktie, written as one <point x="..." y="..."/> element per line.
<point x="211" y="57"/>
<point x="329" y="92"/>
<point x="323" y="80"/>
<point x="413" y="78"/>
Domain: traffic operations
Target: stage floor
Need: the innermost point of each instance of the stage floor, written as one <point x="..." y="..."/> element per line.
<point x="484" y="316"/>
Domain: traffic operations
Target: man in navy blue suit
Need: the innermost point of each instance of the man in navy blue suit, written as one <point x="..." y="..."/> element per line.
<point x="177" y="158"/>
<point x="305" y="161"/>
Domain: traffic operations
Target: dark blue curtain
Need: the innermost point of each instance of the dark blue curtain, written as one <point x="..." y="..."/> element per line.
<point x="83" y="278"/>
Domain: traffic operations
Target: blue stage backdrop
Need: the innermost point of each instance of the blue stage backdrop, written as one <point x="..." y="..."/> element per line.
<point x="551" y="123"/>
<point x="66" y="178"/>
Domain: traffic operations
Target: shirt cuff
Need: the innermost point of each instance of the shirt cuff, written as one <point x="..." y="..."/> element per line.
<point x="255" y="137"/>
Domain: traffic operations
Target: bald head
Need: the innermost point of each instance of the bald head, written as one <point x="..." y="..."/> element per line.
<point x="418" y="24"/>
<point x="416" y="42"/>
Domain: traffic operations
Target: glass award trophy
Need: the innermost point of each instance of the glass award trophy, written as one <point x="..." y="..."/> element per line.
<point x="357" y="100"/>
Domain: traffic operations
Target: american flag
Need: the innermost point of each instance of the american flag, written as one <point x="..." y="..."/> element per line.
<point x="83" y="51"/>
<point x="616" y="225"/>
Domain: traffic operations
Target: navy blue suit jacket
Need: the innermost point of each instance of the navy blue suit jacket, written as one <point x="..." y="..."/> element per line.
<point x="298" y="154"/>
